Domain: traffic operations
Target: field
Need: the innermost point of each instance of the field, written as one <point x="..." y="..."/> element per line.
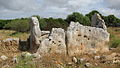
<point x="12" y="50"/>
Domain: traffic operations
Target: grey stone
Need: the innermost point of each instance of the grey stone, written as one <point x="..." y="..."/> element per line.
<point x="35" y="34"/>
<point x="98" y="22"/>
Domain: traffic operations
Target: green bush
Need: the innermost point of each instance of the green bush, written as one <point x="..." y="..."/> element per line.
<point x="77" y="17"/>
<point x="21" y="25"/>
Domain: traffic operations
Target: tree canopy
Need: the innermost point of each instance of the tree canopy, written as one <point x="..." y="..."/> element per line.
<point x="22" y="24"/>
<point x="77" y="17"/>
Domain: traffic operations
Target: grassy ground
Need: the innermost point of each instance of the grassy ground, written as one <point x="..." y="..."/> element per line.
<point x="10" y="49"/>
<point x="50" y="61"/>
<point x="114" y="36"/>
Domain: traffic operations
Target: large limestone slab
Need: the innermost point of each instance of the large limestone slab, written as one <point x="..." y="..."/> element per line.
<point x="55" y="43"/>
<point x="86" y="39"/>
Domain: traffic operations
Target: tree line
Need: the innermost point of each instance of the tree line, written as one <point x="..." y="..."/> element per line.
<point x="22" y="24"/>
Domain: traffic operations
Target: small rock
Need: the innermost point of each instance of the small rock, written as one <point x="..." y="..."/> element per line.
<point x="36" y="55"/>
<point x="108" y="62"/>
<point x="81" y="60"/>
<point x="96" y="64"/>
<point x="26" y="54"/>
<point x="97" y="57"/>
<point x="116" y="61"/>
<point x="15" y="60"/>
<point x="69" y="64"/>
<point x="87" y="65"/>
<point x="3" y="57"/>
<point x="74" y="60"/>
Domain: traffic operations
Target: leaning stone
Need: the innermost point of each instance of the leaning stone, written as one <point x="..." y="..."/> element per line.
<point x="98" y="22"/>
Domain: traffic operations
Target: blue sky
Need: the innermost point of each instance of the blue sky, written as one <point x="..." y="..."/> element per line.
<point x="10" y="9"/>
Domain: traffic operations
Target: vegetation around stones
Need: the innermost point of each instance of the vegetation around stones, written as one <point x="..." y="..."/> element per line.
<point x="114" y="37"/>
<point x="22" y="24"/>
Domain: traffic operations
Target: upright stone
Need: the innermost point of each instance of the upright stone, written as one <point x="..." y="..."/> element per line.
<point x="35" y="34"/>
<point x="85" y="39"/>
<point x="55" y="43"/>
<point x="98" y="22"/>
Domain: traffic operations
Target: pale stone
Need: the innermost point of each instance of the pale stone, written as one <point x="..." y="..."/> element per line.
<point x="74" y="59"/>
<point x="88" y="65"/>
<point x="55" y="43"/>
<point x="36" y="55"/>
<point x="3" y="57"/>
<point x="78" y="39"/>
<point x="85" y="39"/>
<point x="98" y="22"/>
<point x="35" y="34"/>
<point x="26" y="54"/>
<point x="15" y="59"/>
<point x="97" y="57"/>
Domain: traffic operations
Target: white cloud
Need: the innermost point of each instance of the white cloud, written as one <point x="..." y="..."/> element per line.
<point x="115" y="4"/>
<point x="55" y="8"/>
<point x="17" y="4"/>
<point x="108" y="11"/>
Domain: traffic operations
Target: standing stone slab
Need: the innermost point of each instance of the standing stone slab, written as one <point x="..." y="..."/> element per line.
<point x="85" y="39"/>
<point x="55" y="43"/>
<point x="35" y="34"/>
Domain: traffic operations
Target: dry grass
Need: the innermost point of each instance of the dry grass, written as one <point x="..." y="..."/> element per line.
<point x="10" y="49"/>
<point x="10" y="33"/>
<point x="114" y="36"/>
<point x="53" y="60"/>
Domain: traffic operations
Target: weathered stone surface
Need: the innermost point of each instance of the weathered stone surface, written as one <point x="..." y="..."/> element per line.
<point x="55" y="43"/>
<point x="98" y="22"/>
<point x="35" y="34"/>
<point x="86" y="39"/>
<point x="44" y="34"/>
<point x="76" y="40"/>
